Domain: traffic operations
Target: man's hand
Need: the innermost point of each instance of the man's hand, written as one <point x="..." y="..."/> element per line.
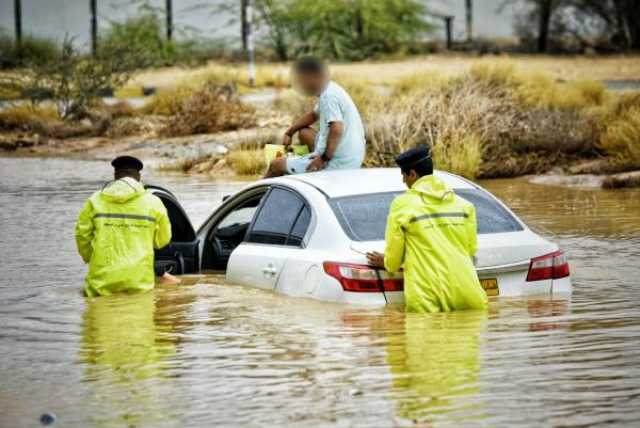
<point x="286" y="139"/>
<point x="316" y="164"/>
<point x="375" y="259"/>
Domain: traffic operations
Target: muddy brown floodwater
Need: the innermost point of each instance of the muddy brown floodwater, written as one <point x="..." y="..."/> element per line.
<point x="212" y="354"/>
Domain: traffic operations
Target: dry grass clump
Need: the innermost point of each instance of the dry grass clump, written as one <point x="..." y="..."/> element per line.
<point x="247" y="161"/>
<point x="419" y="83"/>
<point x="621" y="139"/>
<point x="480" y="124"/>
<point x="208" y="110"/>
<point x="366" y="96"/>
<point x="165" y="102"/>
<point x="26" y="117"/>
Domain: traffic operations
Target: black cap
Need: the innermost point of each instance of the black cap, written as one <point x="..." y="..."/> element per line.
<point x="418" y="159"/>
<point x="127" y="162"/>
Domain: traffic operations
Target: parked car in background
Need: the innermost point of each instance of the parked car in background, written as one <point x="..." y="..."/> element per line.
<point x="307" y="235"/>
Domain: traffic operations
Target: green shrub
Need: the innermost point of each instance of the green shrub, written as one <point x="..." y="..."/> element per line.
<point x="33" y="49"/>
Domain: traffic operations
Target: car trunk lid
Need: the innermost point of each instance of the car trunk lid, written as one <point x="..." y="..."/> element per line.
<point x="502" y="262"/>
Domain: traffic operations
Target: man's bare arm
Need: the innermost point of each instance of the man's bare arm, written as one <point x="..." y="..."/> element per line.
<point x="336" y="129"/>
<point x="303" y="121"/>
<point x="333" y="139"/>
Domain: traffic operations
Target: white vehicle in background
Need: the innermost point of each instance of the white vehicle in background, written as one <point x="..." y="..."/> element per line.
<point x="307" y="235"/>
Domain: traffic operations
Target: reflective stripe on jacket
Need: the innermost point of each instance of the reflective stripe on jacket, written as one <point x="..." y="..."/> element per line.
<point x="432" y="233"/>
<point x="116" y="233"/>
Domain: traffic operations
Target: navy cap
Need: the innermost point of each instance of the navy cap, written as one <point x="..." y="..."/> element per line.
<point x="413" y="157"/>
<point x="127" y="162"/>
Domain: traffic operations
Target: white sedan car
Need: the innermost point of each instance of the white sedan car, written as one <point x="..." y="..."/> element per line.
<point x="307" y="235"/>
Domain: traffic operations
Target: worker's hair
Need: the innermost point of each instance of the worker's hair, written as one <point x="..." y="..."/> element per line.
<point x="309" y="65"/>
<point x="422" y="167"/>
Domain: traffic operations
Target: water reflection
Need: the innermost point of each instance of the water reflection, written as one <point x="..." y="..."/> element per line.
<point x="128" y="342"/>
<point x="435" y="362"/>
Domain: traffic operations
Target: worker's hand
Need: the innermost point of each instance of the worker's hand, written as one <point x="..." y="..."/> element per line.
<point x="286" y="139"/>
<point x="316" y="164"/>
<point x="168" y="279"/>
<point x="375" y="259"/>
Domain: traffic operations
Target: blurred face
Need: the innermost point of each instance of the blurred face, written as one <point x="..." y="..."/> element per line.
<point x="409" y="178"/>
<point x="310" y="84"/>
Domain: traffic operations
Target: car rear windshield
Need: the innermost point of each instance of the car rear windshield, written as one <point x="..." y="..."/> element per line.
<point x="364" y="217"/>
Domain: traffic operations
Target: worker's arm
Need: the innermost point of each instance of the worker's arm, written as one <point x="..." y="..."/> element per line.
<point x="303" y="121"/>
<point x="395" y="237"/>
<point x="84" y="232"/>
<point x="162" y="236"/>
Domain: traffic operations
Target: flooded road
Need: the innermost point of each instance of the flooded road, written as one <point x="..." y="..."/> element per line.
<point x="211" y="354"/>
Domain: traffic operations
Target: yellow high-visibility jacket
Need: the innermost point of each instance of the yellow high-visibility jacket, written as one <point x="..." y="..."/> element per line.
<point x="116" y="233"/>
<point x="431" y="232"/>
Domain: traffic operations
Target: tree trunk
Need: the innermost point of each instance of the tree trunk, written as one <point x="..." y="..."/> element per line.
<point x="545" y="8"/>
<point x="469" y="19"/>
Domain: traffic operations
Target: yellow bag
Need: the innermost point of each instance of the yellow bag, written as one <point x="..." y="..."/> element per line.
<point x="274" y="151"/>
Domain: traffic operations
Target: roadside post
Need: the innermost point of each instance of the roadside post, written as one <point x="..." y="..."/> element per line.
<point x="93" y="6"/>
<point x="248" y="18"/>
<point x="17" y="14"/>
<point x="169" y="12"/>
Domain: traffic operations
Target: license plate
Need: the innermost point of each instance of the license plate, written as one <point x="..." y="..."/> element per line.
<point x="490" y="286"/>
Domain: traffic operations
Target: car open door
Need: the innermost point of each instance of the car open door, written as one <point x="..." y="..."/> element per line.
<point x="182" y="254"/>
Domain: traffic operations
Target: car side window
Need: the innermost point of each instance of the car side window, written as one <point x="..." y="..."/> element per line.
<point x="282" y="220"/>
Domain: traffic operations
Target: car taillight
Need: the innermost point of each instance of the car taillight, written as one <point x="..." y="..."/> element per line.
<point x="550" y="266"/>
<point x="363" y="279"/>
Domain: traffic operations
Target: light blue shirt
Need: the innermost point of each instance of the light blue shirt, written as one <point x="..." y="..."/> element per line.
<point x="335" y="105"/>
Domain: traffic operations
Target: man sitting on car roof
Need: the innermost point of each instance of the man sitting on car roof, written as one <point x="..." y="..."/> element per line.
<point x="431" y="232"/>
<point x="339" y="142"/>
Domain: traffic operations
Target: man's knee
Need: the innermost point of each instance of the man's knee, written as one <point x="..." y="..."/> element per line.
<point x="307" y="136"/>
<point x="277" y="167"/>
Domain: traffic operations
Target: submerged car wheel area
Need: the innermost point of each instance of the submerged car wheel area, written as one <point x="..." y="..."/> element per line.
<point x="307" y="236"/>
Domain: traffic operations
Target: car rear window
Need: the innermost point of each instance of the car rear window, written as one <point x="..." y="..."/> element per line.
<point x="364" y="217"/>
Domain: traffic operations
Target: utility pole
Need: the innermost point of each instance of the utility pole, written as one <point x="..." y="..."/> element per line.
<point x="17" y="12"/>
<point x="469" y="16"/>
<point x="93" y="6"/>
<point x="248" y="17"/>
<point x="169" y="20"/>
<point x="243" y="23"/>
<point x="448" y="21"/>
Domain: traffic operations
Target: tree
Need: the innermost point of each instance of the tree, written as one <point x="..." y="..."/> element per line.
<point x="340" y="29"/>
<point x="619" y="19"/>
<point x="541" y="12"/>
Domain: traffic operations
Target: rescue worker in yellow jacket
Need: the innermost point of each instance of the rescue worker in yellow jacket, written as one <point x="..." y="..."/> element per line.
<point x="117" y="231"/>
<point x="431" y="232"/>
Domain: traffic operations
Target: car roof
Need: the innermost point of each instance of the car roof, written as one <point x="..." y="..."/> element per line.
<point x="338" y="183"/>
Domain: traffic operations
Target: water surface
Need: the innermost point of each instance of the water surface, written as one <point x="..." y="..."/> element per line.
<point x="213" y="354"/>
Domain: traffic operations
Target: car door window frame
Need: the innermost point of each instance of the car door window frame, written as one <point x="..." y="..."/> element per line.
<point x="305" y="204"/>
